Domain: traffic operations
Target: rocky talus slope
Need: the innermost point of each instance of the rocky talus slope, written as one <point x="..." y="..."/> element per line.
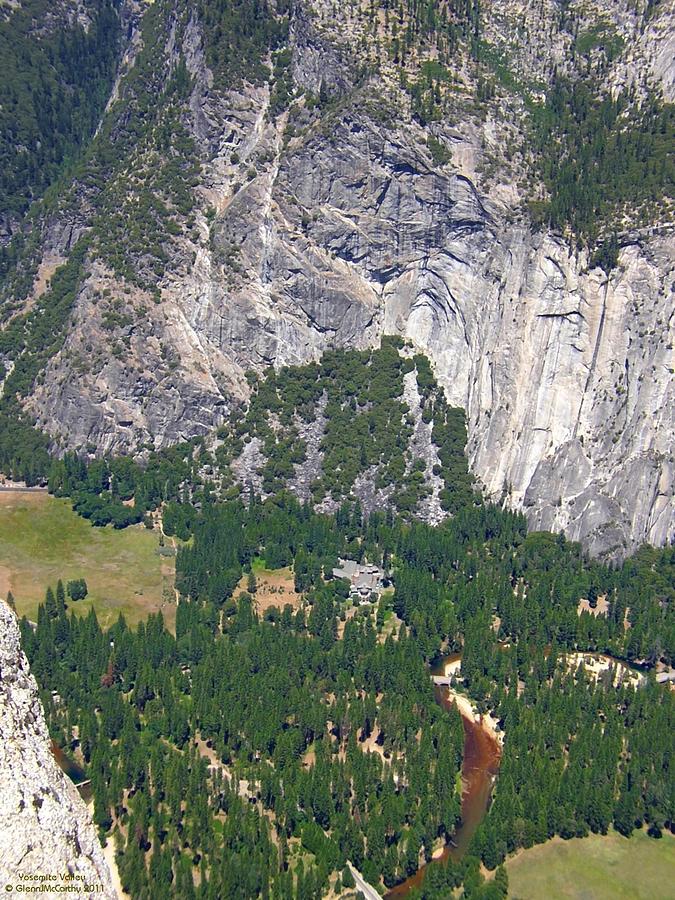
<point x="45" y="828"/>
<point x="317" y="231"/>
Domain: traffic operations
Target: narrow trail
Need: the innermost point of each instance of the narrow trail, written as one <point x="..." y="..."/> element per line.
<point x="367" y="890"/>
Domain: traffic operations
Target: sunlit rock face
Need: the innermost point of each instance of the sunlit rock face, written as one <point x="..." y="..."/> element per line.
<point x="333" y="234"/>
<point x="45" y="827"/>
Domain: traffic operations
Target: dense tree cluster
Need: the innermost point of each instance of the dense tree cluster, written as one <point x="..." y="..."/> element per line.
<point x="77" y="589"/>
<point x="142" y="167"/>
<point x="239" y="35"/>
<point x="121" y="492"/>
<point x="283" y="710"/>
<point x="597" y="153"/>
<point x="356" y="398"/>
<point x="602" y="756"/>
<point x="132" y="183"/>
<point x="251" y="755"/>
<point x="319" y="731"/>
<point x="56" y="79"/>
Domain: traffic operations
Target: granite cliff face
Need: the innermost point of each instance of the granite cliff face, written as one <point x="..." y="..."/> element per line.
<point x="317" y="231"/>
<point x="45" y="829"/>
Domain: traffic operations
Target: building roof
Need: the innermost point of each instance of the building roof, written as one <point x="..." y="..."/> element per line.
<point x="363" y="578"/>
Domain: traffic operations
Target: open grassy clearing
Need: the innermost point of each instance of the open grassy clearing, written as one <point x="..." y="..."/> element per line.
<point x="275" y="587"/>
<point x="598" y="867"/>
<point x="42" y="540"/>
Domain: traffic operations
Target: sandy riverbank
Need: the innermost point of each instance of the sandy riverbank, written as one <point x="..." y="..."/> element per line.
<point x="109" y="856"/>
<point x="597" y="664"/>
<point x="469" y="711"/>
<point x="451" y="669"/>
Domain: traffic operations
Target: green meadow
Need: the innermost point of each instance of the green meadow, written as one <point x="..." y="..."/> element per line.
<point x="609" y="867"/>
<point x="42" y="540"/>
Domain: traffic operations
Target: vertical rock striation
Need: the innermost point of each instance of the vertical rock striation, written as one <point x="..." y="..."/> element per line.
<point x="326" y="231"/>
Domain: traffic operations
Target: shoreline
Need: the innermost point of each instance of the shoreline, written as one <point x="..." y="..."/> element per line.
<point x="596" y="664"/>
<point x="468" y="711"/>
<point x="109" y="855"/>
<point x="466" y="707"/>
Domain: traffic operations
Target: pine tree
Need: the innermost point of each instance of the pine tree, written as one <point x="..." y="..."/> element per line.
<point x="60" y="598"/>
<point x="50" y="604"/>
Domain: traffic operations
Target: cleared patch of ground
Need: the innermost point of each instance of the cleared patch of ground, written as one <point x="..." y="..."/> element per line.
<point x="596" y="664"/>
<point x="371" y="745"/>
<point x="275" y="587"/>
<point x="42" y="540"/>
<point x="599" y="867"/>
<point x="349" y="614"/>
<point x="109" y="853"/>
<point x="601" y="609"/>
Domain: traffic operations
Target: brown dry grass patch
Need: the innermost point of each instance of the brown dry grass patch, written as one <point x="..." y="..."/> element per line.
<point x="276" y="587"/>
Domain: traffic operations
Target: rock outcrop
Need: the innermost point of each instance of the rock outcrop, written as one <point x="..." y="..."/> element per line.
<point x="45" y="828"/>
<point x="330" y="232"/>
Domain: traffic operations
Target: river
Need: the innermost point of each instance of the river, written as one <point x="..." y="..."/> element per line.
<point x="480" y="766"/>
<point x="74" y="771"/>
<point x="482" y="753"/>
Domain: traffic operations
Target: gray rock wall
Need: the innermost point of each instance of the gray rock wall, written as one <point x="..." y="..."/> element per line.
<point x="337" y="231"/>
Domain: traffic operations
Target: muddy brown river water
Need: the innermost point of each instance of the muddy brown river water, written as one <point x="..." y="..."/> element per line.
<point x="74" y="771"/>
<point x="480" y="766"/>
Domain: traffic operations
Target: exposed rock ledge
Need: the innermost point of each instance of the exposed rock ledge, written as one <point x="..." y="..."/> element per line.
<point x="351" y="230"/>
<point x="45" y="829"/>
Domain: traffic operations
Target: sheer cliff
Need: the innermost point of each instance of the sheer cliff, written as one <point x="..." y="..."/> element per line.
<point x="46" y="829"/>
<point x="360" y="188"/>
